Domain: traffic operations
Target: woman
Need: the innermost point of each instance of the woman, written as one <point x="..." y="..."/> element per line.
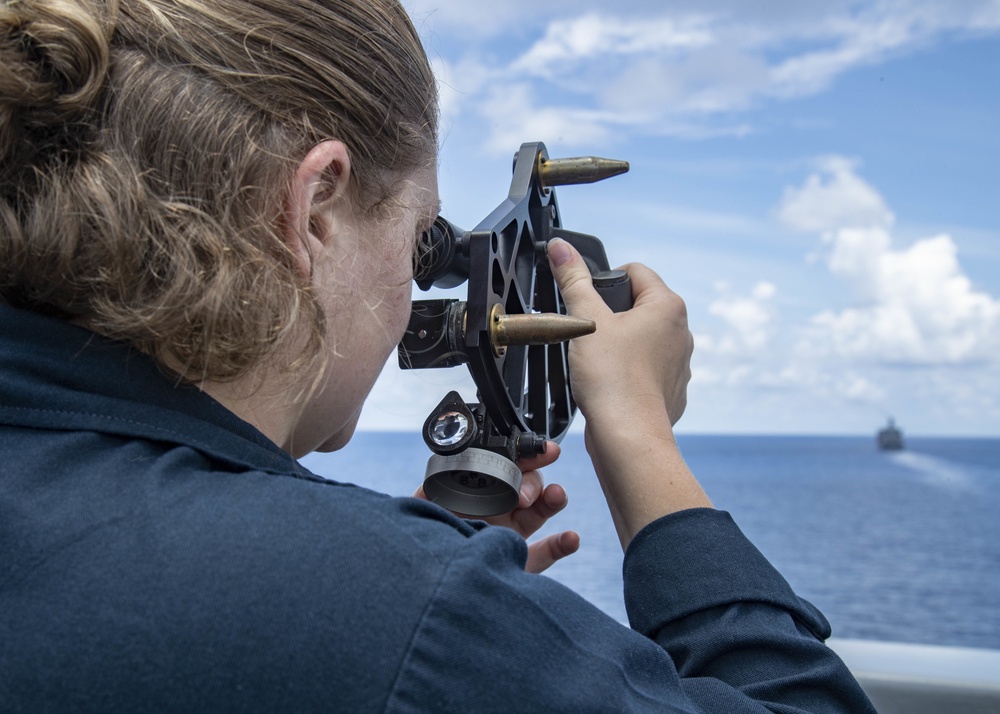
<point x="208" y="210"/>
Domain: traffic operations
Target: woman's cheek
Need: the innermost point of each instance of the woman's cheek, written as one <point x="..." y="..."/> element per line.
<point x="401" y="308"/>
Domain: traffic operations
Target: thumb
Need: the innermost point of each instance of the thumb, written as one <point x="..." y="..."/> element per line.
<point x="573" y="278"/>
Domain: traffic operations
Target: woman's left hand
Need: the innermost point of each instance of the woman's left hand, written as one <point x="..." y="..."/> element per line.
<point x="536" y="505"/>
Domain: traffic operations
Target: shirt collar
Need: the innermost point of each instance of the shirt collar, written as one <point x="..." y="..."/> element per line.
<point x="56" y="375"/>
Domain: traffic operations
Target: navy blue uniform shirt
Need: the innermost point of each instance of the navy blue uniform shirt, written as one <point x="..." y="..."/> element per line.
<point x="159" y="554"/>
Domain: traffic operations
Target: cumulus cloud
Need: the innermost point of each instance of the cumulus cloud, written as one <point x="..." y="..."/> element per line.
<point x="909" y="304"/>
<point x="748" y="320"/>
<point x="915" y="304"/>
<point x="859" y="389"/>
<point x="833" y="197"/>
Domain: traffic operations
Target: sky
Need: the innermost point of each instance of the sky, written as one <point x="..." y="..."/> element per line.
<point x="817" y="180"/>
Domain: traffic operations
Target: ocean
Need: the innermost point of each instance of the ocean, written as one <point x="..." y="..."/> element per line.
<point x="894" y="546"/>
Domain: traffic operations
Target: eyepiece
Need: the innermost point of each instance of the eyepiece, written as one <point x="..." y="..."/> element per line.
<point x="441" y="257"/>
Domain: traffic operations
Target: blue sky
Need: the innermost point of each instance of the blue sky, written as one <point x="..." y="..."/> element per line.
<point x="817" y="180"/>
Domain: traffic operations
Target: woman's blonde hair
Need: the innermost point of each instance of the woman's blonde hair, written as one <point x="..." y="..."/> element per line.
<point x="145" y="149"/>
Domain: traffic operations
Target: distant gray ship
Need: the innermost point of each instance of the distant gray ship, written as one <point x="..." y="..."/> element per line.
<point x="890" y="438"/>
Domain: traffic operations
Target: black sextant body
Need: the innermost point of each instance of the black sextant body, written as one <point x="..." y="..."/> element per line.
<point x="511" y="331"/>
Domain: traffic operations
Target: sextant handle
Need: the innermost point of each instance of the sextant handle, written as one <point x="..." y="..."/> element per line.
<point x="614" y="286"/>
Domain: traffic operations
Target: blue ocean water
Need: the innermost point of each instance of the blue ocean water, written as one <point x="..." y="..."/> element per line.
<point x="896" y="546"/>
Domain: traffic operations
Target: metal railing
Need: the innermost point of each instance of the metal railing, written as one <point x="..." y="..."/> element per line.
<point x="924" y="679"/>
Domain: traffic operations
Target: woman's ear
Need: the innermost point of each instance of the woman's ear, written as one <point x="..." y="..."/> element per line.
<point x="323" y="174"/>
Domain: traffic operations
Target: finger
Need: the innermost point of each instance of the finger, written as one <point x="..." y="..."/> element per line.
<point x="528" y="520"/>
<point x="643" y="278"/>
<point x="531" y="488"/>
<point x="531" y="509"/>
<point x="647" y="285"/>
<point x="573" y="278"/>
<point x="542" y="460"/>
<point x="548" y="550"/>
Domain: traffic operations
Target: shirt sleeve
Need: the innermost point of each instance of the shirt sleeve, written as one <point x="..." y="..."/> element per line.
<point x="715" y="629"/>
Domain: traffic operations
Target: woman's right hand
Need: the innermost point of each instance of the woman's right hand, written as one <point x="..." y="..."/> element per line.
<point x="630" y="380"/>
<point x="641" y="357"/>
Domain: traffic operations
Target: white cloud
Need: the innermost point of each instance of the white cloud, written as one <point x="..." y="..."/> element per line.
<point x="833" y="197"/>
<point x="719" y="79"/>
<point x="859" y="389"/>
<point x="925" y="310"/>
<point x="514" y="114"/>
<point x="860" y="40"/>
<point x="908" y="305"/>
<point x="916" y="304"/>
<point x="599" y="36"/>
<point x="748" y="320"/>
<point x="856" y="255"/>
<point x="680" y="70"/>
